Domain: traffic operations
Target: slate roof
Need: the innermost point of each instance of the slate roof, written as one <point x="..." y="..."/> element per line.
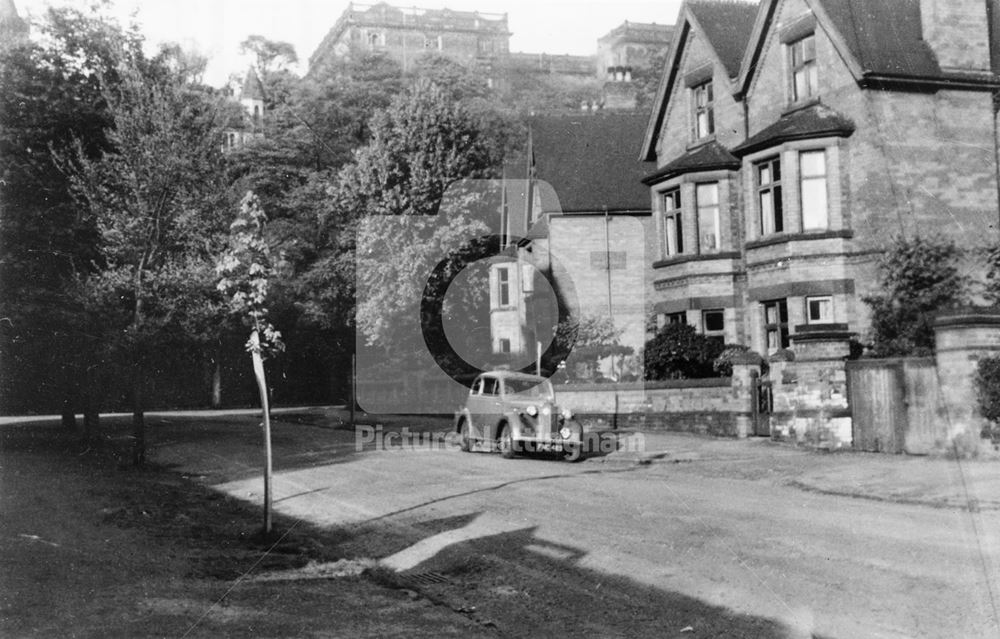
<point x="727" y="24"/>
<point x="811" y="122"/>
<point x="707" y="157"/>
<point x="590" y="160"/>
<point x="885" y="36"/>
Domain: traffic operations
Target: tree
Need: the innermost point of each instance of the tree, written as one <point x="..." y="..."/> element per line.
<point x="52" y="99"/>
<point x="269" y="55"/>
<point x="587" y="340"/>
<point x="678" y="351"/>
<point x="245" y="271"/>
<point x="421" y="145"/>
<point x="917" y="277"/>
<point x="154" y="195"/>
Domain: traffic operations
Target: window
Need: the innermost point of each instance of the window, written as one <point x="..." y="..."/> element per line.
<point x="375" y="39"/>
<point x="819" y="310"/>
<point x="714" y="324"/>
<point x="256" y="115"/>
<point x="812" y="178"/>
<point x="776" y="325"/>
<point x="704" y="116"/>
<point x="504" y="345"/>
<point x="677" y="318"/>
<point x="769" y="196"/>
<point x="707" y="201"/>
<point x="805" y="82"/>
<point x="503" y="286"/>
<point x="673" y="228"/>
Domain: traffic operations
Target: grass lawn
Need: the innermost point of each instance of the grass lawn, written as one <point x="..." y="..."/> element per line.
<point x="91" y="548"/>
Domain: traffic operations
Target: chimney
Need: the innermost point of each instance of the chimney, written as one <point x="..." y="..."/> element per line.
<point x="957" y="31"/>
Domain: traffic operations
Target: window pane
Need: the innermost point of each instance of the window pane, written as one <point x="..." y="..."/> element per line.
<point x="766" y="213"/>
<point x="813" y="163"/>
<point x="708" y="194"/>
<point x="671" y="236"/>
<point x="820" y="309"/>
<point x="715" y="321"/>
<point x="814" y="205"/>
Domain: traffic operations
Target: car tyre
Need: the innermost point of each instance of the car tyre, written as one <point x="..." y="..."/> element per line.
<point x="505" y="443"/>
<point x="464" y="444"/>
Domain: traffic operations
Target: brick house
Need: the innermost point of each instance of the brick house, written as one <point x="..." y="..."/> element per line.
<point x="578" y="227"/>
<point x="795" y="138"/>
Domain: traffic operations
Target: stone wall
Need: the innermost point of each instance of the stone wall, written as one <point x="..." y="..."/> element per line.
<point x="704" y="406"/>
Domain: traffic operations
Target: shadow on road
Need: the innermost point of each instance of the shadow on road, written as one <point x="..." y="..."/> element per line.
<point x="522" y="585"/>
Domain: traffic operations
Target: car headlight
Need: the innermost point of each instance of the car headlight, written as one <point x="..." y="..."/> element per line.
<point x="567" y="413"/>
<point x="532" y="410"/>
<point x="565" y="432"/>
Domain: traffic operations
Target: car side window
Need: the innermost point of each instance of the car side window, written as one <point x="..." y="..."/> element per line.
<point x="492" y="387"/>
<point x="477" y="387"/>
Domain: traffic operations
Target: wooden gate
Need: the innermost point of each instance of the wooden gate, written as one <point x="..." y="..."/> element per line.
<point x="877" y="396"/>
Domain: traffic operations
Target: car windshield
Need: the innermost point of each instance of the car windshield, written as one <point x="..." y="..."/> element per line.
<point x="529" y="387"/>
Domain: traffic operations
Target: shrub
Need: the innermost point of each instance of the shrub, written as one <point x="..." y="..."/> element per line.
<point x="918" y="277"/>
<point x="679" y="352"/>
<point x="988" y="390"/>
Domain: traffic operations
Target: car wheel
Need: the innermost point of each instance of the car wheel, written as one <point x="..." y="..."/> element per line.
<point x="463" y="437"/>
<point x="505" y="443"/>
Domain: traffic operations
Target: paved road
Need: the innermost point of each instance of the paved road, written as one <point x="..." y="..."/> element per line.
<point x="829" y="565"/>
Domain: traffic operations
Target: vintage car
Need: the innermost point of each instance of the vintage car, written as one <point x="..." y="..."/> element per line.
<point x="515" y="412"/>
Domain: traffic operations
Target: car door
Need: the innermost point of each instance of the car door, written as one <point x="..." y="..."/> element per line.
<point x="477" y="409"/>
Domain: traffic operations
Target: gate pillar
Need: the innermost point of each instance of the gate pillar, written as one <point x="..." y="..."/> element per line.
<point x="962" y="338"/>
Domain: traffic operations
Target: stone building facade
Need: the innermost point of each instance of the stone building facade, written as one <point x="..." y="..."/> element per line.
<point x="796" y="138"/>
<point x="405" y="33"/>
<point x="481" y="41"/>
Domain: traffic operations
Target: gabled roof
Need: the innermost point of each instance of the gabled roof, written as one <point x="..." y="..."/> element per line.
<point x="590" y="160"/>
<point x="725" y="25"/>
<point x="252" y="88"/>
<point x="707" y="157"/>
<point x="881" y="41"/>
<point x="811" y="122"/>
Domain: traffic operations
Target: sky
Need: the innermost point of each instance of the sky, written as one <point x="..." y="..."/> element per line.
<point x="216" y="27"/>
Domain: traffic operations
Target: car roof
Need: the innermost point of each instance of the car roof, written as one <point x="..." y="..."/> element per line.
<point x="513" y="375"/>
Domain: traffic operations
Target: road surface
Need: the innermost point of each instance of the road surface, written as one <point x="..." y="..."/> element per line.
<point x="652" y="535"/>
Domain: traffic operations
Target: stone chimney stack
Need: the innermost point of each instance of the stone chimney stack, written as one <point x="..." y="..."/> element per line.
<point x="958" y="33"/>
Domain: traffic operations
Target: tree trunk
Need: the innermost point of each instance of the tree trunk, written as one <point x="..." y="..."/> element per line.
<point x="217" y="381"/>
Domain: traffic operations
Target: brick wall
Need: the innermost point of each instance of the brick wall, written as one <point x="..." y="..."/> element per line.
<point x="956" y="31"/>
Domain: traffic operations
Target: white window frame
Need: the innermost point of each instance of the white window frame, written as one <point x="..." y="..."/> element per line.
<point x="503" y="287"/>
<point x="703" y="109"/>
<point x="803" y="67"/>
<point x="772" y="220"/>
<point x="814" y="195"/>
<point x="713" y="332"/>
<point x="820" y="300"/>
<point x="712" y="211"/>
<point x="673" y="222"/>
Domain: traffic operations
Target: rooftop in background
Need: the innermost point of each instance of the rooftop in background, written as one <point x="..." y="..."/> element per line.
<point x="650" y="32"/>
<point x="590" y="161"/>
<point x="384" y="14"/>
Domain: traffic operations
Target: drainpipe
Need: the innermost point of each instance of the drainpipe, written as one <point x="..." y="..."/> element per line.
<point x="607" y="257"/>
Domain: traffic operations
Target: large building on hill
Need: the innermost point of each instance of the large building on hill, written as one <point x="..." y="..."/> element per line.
<point x="793" y="140"/>
<point x="468" y="37"/>
<point x="481" y="41"/>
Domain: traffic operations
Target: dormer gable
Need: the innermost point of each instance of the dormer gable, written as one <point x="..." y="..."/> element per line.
<point x="703" y="61"/>
<point x="889" y="44"/>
